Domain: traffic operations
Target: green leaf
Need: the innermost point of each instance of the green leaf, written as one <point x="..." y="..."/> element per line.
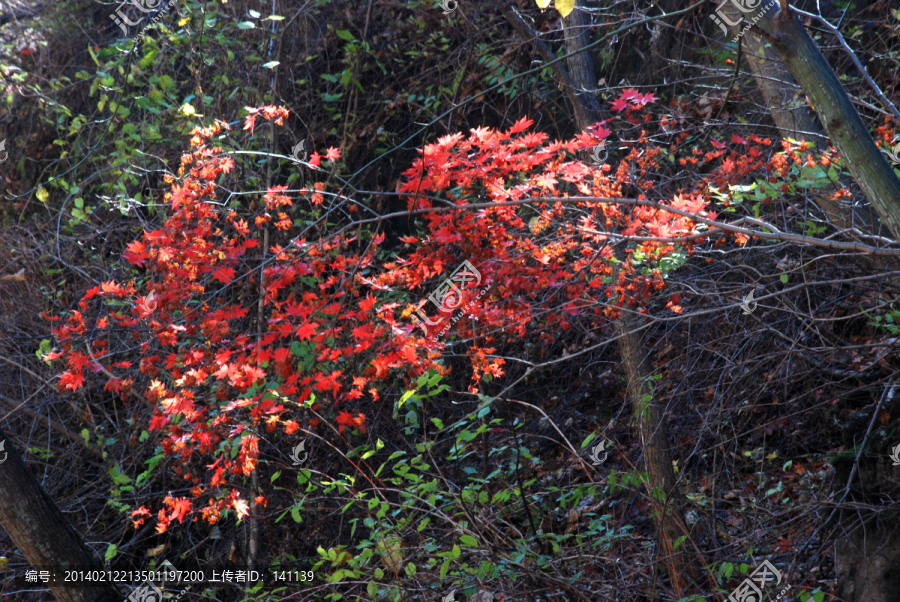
<point x="345" y="35"/>
<point x="110" y="552"/>
<point x="784" y="278"/>
<point x="246" y="25"/>
<point x="587" y="441"/>
<point x="468" y="541"/>
<point x="372" y="589"/>
<point x="444" y="567"/>
<point x="818" y="596"/>
<point x="45" y="348"/>
<point x="438" y="423"/>
<point x="405" y="397"/>
<point x="42" y="194"/>
<point x="275" y="476"/>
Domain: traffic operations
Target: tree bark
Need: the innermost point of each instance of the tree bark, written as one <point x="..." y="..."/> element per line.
<point x="836" y="112"/>
<point x="40" y="531"/>
<point x="576" y="28"/>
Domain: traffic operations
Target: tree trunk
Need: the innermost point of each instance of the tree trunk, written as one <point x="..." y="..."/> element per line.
<point x="844" y="126"/>
<point x="581" y="66"/>
<point x="650" y="416"/>
<point x="40" y="531"/>
<point x="667" y="503"/>
<point x="577" y="81"/>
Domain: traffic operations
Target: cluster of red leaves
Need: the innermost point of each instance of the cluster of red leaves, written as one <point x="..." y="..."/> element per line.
<point x="213" y="379"/>
<point x="545" y="264"/>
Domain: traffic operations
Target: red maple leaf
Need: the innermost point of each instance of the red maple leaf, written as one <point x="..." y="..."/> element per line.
<point x="343" y="419"/>
<point x="224" y="275"/>
<point x="68" y="380"/>
<point x="619" y="105"/>
<point x="306" y="331"/>
<point x="241" y="507"/>
<point x="136" y="254"/>
<point x="180" y="508"/>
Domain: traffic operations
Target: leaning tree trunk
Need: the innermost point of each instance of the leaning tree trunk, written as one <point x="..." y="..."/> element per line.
<point x="844" y="126"/>
<point x="794" y="119"/>
<point x="577" y="81"/>
<point x="40" y="531"/>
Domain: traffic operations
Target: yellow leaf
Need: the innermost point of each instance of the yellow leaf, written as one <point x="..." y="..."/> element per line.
<point x="565" y="7"/>
<point x="542" y="4"/>
<point x="391" y="556"/>
<point x="157" y="550"/>
<point x="20" y="275"/>
<point x="42" y="194"/>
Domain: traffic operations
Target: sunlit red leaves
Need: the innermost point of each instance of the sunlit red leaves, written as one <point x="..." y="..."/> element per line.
<point x="179" y="508"/>
<point x="136" y="516"/>
<point x="71" y="381"/>
<point x="305" y="331"/>
<point x="241" y="507"/>
<point x="269" y="113"/>
<point x="249" y="454"/>
<point x="211" y="361"/>
<point x="136" y="254"/>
